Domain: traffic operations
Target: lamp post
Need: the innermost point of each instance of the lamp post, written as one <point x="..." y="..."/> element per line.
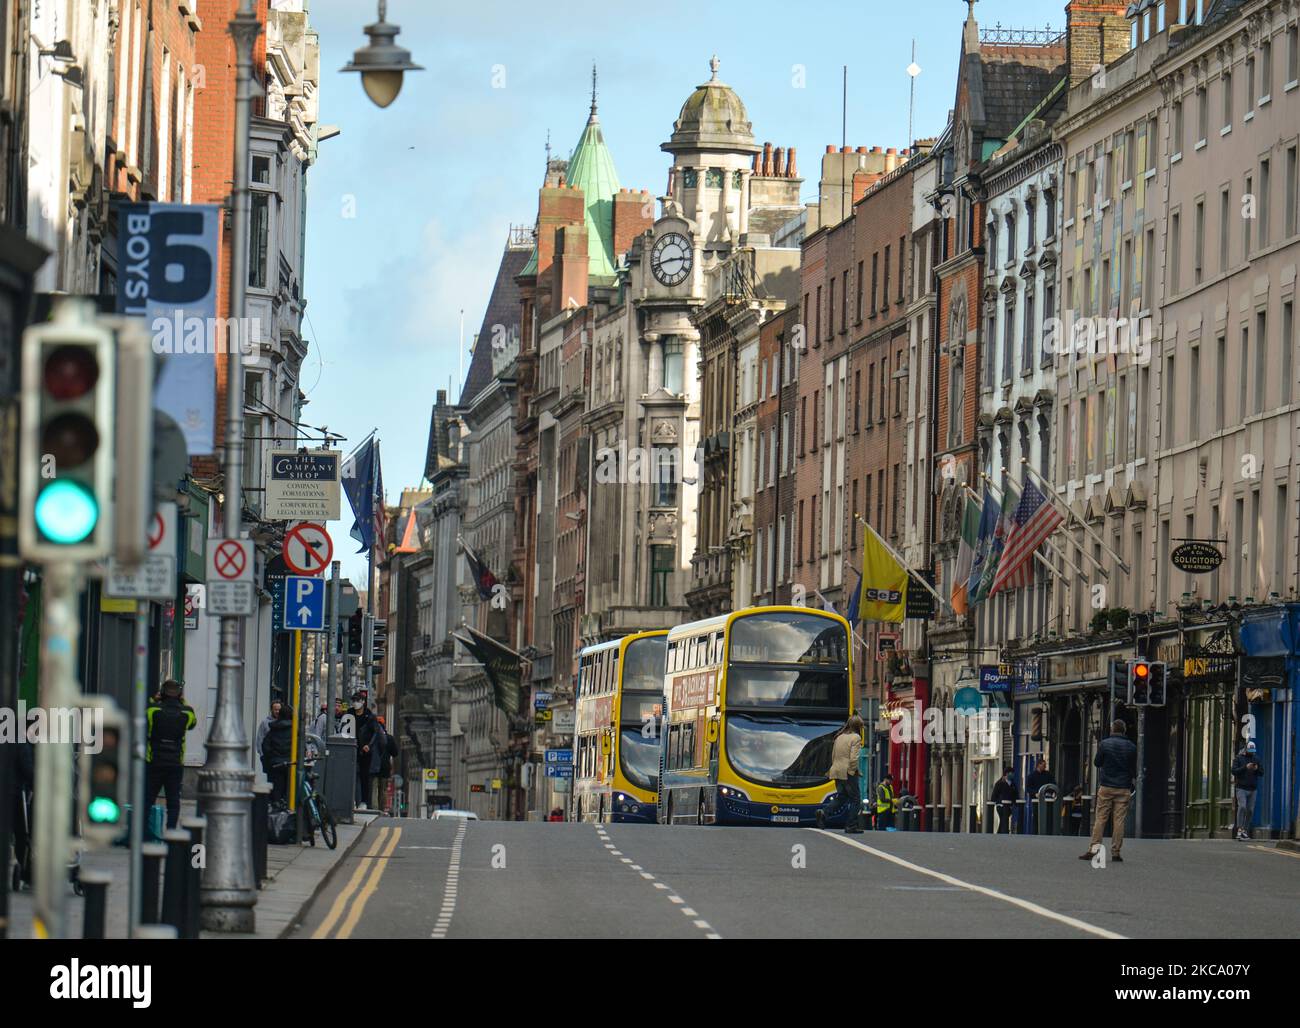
<point x="225" y="783"/>
<point x="382" y="62"/>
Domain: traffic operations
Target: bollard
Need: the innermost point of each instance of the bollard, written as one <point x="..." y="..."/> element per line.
<point x="193" y="906"/>
<point x="95" y="885"/>
<point x="261" y="805"/>
<point x="151" y="858"/>
<point x="989" y="814"/>
<point x="176" y="871"/>
<point x="1046" y="812"/>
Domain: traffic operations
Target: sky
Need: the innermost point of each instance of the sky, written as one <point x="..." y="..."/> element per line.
<point x="409" y="207"/>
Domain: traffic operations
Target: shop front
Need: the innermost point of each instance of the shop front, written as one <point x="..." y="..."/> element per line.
<point x="1209" y="731"/>
<point x="1269" y="671"/>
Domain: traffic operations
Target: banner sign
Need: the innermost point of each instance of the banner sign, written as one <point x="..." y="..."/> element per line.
<point x="303" y="485"/>
<point x="167" y="275"/>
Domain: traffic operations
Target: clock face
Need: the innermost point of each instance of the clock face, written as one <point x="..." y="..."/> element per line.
<point x="671" y="259"/>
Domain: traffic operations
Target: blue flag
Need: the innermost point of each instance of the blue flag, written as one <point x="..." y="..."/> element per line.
<point x="359" y="482"/>
<point x="990" y="515"/>
<point x="855" y="602"/>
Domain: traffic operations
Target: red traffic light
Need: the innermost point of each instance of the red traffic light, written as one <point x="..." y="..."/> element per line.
<point x="1141" y="670"/>
<point x="70" y="372"/>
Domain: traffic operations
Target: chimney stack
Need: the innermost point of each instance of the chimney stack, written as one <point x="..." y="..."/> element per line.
<point x="1097" y="33"/>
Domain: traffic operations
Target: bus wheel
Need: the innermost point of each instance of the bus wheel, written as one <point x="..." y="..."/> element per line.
<point x="668" y="810"/>
<point x="600" y="814"/>
<point x="699" y="810"/>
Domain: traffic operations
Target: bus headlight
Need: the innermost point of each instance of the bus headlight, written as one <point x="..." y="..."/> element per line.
<point x="728" y="792"/>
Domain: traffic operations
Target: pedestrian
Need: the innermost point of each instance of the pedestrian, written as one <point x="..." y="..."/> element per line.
<point x="266" y="724"/>
<point x="1039" y="777"/>
<point x="1117" y="758"/>
<point x="557" y="814"/>
<point x="1005" y="796"/>
<point x="277" y="753"/>
<point x="844" y="773"/>
<point x="24" y="805"/>
<point x="167" y="721"/>
<point x="321" y="724"/>
<point x="1246" y="773"/>
<point x="385" y="750"/>
<point x="365" y="728"/>
<point x="886" y="803"/>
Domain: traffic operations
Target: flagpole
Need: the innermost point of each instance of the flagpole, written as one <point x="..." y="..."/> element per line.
<point x="1101" y="568"/>
<point x="907" y="567"/>
<point x="1038" y="556"/>
<point x="1050" y="491"/>
<point x="1093" y="560"/>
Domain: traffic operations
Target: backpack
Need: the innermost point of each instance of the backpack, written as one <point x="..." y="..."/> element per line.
<point x="390" y="748"/>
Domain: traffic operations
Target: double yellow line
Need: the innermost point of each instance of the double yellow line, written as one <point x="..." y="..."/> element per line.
<point x="375" y="861"/>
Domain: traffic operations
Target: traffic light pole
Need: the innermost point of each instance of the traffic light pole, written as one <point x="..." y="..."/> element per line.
<point x="139" y="693"/>
<point x="52" y="843"/>
<point x="226" y="781"/>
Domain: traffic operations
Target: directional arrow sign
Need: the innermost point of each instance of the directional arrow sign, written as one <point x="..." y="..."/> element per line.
<point x="304" y="604"/>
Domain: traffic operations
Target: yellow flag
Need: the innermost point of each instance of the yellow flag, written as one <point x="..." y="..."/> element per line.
<point x="884" y="582"/>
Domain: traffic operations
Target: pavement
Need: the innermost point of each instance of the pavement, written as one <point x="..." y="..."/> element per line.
<point x="295" y="873"/>
<point x="409" y="878"/>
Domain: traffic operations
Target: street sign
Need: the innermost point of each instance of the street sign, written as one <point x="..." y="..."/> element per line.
<point x="541" y="700"/>
<point x="230" y="578"/>
<point x="307" y="549"/>
<point x="304" y="604"/>
<point x="303" y="485"/>
<point x="559" y="757"/>
<point x="154" y="578"/>
<point x="195" y="599"/>
<point x="541" y="717"/>
<point x="559" y="770"/>
<point x="563" y="720"/>
<point x="886" y="645"/>
<point x="431" y="778"/>
<point x="496" y="785"/>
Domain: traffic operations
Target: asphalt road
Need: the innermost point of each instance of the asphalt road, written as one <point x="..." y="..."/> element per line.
<point x="464" y="880"/>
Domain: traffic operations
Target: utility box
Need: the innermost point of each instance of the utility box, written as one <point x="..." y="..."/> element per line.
<point x="341" y="777"/>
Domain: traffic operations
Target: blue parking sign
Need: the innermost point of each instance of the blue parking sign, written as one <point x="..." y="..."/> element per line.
<point x="304" y="604"/>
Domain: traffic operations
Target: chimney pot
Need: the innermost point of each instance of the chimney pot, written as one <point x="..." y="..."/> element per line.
<point x="829" y="148"/>
<point x="789" y="164"/>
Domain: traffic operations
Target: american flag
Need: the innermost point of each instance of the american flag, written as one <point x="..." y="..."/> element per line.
<point x="1035" y="518"/>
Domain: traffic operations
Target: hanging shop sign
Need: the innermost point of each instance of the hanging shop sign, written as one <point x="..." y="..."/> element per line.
<point x="1196" y="558"/>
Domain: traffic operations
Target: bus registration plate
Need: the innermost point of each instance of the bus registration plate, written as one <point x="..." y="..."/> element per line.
<point x="786" y="819"/>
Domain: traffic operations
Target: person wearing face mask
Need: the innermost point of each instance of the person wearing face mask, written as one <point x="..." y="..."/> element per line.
<point x="365" y="740"/>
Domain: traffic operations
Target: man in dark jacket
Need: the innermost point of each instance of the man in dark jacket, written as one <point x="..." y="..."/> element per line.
<point x="1117" y="759"/>
<point x="1039" y="777"/>
<point x="168" y="719"/>
<point x="1246" y="773"/>
<point x="277" y="753"/>
<point x="367" y="757"/>
<point x="1005" y="794"/>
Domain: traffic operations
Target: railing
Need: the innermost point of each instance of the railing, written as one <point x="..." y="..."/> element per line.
<point x="1047" y="36"/>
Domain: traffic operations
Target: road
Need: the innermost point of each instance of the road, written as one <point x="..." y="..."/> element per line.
<point x="464" y="880"/>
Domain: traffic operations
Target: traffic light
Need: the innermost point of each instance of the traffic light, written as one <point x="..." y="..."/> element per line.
<point x="379" y="639"/>
<point x="104" y="773"/>
<point x="1139" y="675"/>
<point x="1156" y="690"/>
<point x="1120" y="683"/>
<point x="354" y="634"/>
<point x="66" y="483"/>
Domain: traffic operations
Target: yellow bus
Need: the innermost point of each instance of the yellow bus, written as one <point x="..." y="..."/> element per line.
<point x="615" y="745"/>
<point x="753" y="701"/>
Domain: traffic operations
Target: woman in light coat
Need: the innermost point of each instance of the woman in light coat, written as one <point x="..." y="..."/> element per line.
<point x="844" y="772"/>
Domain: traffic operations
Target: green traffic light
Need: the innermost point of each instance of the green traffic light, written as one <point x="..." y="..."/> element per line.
<point x="66" y="512"/>
<point x="103" y="811"/>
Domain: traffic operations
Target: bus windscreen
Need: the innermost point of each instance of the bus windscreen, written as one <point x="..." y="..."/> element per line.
<point x="788" y="637"/>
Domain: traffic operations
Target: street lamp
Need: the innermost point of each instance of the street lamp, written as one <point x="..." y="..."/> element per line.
<point x="382" y="62"/>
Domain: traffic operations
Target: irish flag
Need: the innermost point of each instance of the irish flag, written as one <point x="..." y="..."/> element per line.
<point x="970" y="530"/>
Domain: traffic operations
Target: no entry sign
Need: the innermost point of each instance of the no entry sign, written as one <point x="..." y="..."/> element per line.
<point x="307" y="549"/>
<point x="230" y="577"/>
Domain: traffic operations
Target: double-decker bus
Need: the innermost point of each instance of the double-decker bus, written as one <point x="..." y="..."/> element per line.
<point x="753" y="701"/>
<point x="615" y="746"/>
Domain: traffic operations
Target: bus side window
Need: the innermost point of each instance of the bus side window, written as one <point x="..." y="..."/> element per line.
<point x="688" y="744"/>
<point x="674" y="746"/>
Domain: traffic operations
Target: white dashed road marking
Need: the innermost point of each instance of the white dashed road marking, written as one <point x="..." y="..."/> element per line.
<point x="673" y="898"/>
<point x="443" y="924"/>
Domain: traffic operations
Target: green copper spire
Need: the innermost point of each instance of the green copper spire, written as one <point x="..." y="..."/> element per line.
<point x="591" y="169"/>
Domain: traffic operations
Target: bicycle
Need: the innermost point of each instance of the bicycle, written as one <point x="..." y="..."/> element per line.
<point x="319" y="815"/>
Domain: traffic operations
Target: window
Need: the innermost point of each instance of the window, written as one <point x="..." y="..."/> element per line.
<point x="1265" y="71"/>
<point x="830" y="311"/>
<point x="1292" y="54"/>
<point x="1149" y="271"/>
<point x="673" y="351"/>
<point x="661" y="569"/>
<point x="1049" y="311"/>
<point x="1250" y="86"/>
<point x="1262" y="208"/>
<point x="1031" y="224"/>
<point x="1245" y="222"/>
<point x="1221" y="383"/>
<point x="860" y="285"/>
<point x="1202" y="114"/>
<point x="1243" y="400"/>
<point x="259" y="239"/>
<point x="1261" y="360"/>
<point x="817" y="334"/>
<point x="844" y="303"/>
<point x="798" y="537"/>
<point x="1153" y="142"/>
<point x="1175" y="251"/>
<point x="803" y="424"/>
<point x="875" y="280"/>
<point x="785" y="444"/>
<point x="665" y="477"/>
<point x="1176" y="143"/>
<point x="871" y="393"/>
<point x="1049" y="204"/>
<point x="1194" y="395"/>
<point x="853" y="536"/>
<point x="1288" y="348"/>
<point x="884" y="294"/>
<point x="1008" y="339"/>
<point x="1227" y="100"/>
<point x="1289" y="226"/>
<point x="857" y="400"/>
<point x="1167" y="391"/>
<point x="1130" y="155"/>
<point x="902" y="264"/>
<point x="1198" y="244"/>
<point x="1011" y="237"/>
<point x="1225" y="226"/>
<point x="1027" y="342"/>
